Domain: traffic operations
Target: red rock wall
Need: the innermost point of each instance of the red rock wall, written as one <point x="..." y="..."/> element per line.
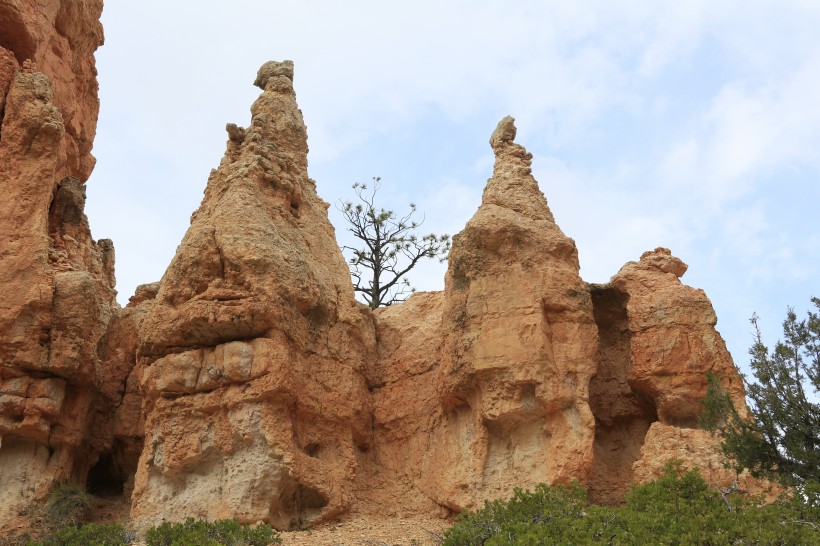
<point x="249" y="383"/>
<point x="59" y="37"/>
<point x="57" y="294"/>
<point x="254" y="395"/>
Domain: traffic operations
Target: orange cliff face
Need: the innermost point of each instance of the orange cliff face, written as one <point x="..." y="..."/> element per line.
<point x="257" y="358"/>
<point x="56" y="282"/>
<point x="249" y="383"/>
<point x="58" y="38"/>
<point x="506" y="391"/>
<point x="255" y="400"/>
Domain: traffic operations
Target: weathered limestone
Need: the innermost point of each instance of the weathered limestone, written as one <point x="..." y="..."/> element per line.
<point x="520" y="344"/>
<point x="57" y="283"/>
<point x="249" y="383"/>
<point x="695" y="449"/>
<point x="254" y="397"/>
<point x="58" y="297"/>
<point x="658" y="341"/>
<point x="59" y="37"/>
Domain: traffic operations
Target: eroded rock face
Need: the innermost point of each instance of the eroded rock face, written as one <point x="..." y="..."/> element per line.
<point x="658" y="341"/>
<point x="695" y="449"/>
<point x="520" y="345"/>
<point x="57" y="300"/>
<point x="254" y="397"/>
<point x="673" y="338"/>
<point x="269" y="394"/>
<point x="249" y="383"/>
<point x="499" y="391"/>
<point x="57" y="294"/>
<point x="59" y="38"/>
<point x="407" y="409"/>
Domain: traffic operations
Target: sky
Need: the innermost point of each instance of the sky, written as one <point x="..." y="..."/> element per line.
<point x="691" y="125"/>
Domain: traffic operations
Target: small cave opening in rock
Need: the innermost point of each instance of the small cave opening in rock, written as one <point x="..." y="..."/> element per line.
<point x="105" y="478"/>
<point x="297" y="507"/>
<point x="312" y="449"/>
<point x="309" y="499"/>
<point x="622" y="415"/>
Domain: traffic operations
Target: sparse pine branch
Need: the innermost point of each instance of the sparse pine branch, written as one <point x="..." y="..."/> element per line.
<point x="781" y="436"/>
<point x="390" y="247"/>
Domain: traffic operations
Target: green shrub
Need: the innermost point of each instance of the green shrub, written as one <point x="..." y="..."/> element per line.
<point x="67" y="505"/>
<point x="553" y="510"/>
<point x="228" y="532"/>
<point x="88" y="535"/>
<point x="679" y="508"/>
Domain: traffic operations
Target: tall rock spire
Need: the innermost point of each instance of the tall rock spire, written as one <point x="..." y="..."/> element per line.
<point x="254" y="346"/>
<point x="520" y="344"/>
<point x="512" y="186"/>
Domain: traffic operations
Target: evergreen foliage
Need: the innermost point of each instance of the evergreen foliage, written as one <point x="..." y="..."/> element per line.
<point x="228" y="532"/>
<point x="782" y="437"/>
<point x="88" y="535"/>
<point x="679" y="508"/>
<point x="390" y="247"/>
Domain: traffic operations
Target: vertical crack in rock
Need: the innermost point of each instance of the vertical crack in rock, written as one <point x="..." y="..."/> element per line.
<point x="622" y="416"/>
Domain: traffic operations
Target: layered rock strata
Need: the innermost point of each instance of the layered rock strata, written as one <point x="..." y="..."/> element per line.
<point x="497" y="395"/>
<point x="254" y="395"/>
<point x="249" y="383"/>
<point x="57" y="294"/>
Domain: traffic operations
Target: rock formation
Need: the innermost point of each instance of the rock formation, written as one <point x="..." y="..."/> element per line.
<point x="58" y="38"/>
<point x="257" y="358"/>
<point x="658" y="340"/>
<point x="254" y="396"/>
<point x="505" y="392"/>
<point x="249" y="382"/>
<point x="57" y="283"/>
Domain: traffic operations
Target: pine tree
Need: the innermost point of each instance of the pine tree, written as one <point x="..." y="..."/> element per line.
<point x="782" y="436"/>
<point x="390" y="247"/>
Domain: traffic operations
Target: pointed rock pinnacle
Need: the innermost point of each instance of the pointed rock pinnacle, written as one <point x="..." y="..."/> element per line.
<point x="271" y="69"/>
<point x="504" y="133"/>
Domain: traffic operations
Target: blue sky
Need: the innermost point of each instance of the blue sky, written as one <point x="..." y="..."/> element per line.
<point x="692" y="125"/>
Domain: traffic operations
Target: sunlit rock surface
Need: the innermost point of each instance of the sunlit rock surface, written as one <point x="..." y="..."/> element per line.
<point x="249" y="383"/>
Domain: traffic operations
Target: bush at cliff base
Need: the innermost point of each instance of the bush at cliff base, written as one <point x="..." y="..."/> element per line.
<point x="217" y="533"/>
<point x="67" y="505"/>
<point x="679" y="508"/>
<point x="189" y="533"/>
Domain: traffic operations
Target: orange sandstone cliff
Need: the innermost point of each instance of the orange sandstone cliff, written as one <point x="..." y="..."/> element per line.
<point x="249" y="383"/>
<point x="253" y="391"/>
<point x="56" y="282"/>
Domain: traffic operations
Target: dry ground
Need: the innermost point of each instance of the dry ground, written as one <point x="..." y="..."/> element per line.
<point x="355" y="530"/>
<point x="371" y="532"/>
